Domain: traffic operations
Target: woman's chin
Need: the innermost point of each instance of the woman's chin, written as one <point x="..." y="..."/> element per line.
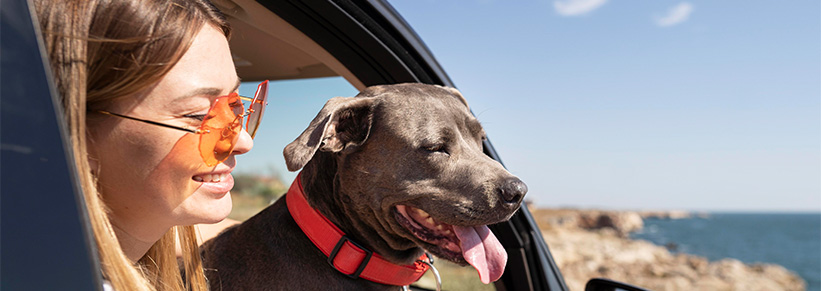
<point x="222" y="210"/>
<point x="210" y="211"/>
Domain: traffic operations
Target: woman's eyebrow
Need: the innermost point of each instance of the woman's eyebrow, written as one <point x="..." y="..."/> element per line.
<point x="207" y="91"/>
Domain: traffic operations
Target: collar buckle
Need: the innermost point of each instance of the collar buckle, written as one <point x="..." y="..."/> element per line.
<point x="362" y="264"/>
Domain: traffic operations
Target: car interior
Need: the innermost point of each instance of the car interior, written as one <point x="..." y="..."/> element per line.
<point x="267" y="47"/>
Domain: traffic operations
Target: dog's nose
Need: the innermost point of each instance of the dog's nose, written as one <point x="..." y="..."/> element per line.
<point x="513" y="190"/>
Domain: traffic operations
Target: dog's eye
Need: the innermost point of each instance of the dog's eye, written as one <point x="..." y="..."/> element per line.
<point x="438" y="148"/>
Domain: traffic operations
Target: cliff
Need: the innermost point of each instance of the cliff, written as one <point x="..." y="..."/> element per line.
<point x="591" y="243"/>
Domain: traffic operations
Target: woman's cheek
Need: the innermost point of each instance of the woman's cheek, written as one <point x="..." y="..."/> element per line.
<point x="179" y="166"/>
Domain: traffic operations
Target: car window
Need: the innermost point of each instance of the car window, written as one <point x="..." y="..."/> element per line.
<point x="366" y="43"/>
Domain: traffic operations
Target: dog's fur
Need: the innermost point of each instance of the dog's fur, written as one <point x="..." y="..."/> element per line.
<point x="406" y="144"/>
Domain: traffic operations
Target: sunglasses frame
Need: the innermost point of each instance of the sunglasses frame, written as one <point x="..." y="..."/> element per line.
<point x="260" y="97"/>
<point x="195" y="131"/>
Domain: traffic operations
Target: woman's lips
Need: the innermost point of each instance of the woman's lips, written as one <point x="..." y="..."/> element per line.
<point x="220" y="183"/>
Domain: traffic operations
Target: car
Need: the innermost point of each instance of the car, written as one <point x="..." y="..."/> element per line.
<point x="43" y="222"/>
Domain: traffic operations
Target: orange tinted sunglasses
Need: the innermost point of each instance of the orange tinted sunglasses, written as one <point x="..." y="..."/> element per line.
<point x="222" y="124"/>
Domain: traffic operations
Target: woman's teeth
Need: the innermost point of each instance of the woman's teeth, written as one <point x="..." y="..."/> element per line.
<point x="210" y="177"/>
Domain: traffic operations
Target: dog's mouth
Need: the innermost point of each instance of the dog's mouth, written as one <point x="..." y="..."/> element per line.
<point x="475" y="245"/>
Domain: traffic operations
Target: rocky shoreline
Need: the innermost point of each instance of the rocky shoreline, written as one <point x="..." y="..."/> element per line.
<point x="593" y="243"/>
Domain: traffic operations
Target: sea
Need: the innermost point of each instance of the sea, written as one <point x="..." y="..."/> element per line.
<point x="792" y="240"/>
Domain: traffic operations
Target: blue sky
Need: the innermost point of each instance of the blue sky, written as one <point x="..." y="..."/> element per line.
<point x="699" y="105"/>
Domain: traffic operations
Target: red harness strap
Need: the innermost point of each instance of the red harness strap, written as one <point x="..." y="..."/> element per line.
<point x="345" y="255"/>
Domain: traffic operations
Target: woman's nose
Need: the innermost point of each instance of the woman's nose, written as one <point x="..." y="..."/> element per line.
<point x="244" y="143"/>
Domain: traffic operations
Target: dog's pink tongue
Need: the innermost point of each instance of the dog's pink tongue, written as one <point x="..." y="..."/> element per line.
<point x="483" y="251"/>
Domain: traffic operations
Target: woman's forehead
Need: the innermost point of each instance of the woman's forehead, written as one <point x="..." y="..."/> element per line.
<point x="205" y="70"/>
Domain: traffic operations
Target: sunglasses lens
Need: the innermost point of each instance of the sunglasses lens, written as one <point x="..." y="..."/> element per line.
<point x="220" y="129"/>
<point x="257" y="108"/>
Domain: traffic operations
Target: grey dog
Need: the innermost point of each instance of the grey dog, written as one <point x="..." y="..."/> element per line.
<point x="400" y="169"/>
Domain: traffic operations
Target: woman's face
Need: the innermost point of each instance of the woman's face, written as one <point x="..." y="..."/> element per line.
<point x="153" y="177"/>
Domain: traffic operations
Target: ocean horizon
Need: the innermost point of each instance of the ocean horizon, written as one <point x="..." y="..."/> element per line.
<point x="789" y="239"/>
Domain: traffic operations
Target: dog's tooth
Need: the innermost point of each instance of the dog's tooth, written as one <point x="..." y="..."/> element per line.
<point x="439" y="227"/>
<point x="430" y="221"/>
<point x="422" y="213"/>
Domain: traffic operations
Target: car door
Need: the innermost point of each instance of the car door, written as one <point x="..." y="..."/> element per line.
<point x="44" y="239"/>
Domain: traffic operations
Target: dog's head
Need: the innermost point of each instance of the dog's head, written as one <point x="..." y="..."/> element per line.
<point x="410" y="169"/>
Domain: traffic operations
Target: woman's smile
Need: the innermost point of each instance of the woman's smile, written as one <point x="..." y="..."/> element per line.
<point x="216" y="183"/>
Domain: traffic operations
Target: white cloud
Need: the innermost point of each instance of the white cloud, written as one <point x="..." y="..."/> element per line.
<point x="577" y="7"/>
<point x="675" y="15"/>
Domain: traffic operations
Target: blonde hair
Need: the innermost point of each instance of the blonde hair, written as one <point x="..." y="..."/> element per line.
<point x="101" y="50"/>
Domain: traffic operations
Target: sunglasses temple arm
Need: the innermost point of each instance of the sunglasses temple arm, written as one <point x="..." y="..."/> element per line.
<point x="149" y="121"/>
<point x="249" y="99"/>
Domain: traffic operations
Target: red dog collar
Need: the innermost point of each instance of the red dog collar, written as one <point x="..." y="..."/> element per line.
<point x="345" y="255"/>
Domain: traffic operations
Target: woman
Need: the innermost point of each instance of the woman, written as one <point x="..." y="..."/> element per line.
<point x="142" y="84"/>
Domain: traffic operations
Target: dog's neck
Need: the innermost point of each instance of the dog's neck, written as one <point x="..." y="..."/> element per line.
<point x="319" y="180"/>
<point x="322" y="191"/>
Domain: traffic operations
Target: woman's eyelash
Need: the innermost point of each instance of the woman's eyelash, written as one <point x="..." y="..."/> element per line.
<point x="199" y="117"/>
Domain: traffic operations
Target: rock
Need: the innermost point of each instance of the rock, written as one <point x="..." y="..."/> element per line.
<point x="672" y="214"/>
<point x="622" y="222"/>
<point x="671" y="246"/>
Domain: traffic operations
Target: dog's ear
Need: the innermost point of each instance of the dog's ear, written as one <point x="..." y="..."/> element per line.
<point x="455" y="92"/>
<point x="343" y="124"/>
